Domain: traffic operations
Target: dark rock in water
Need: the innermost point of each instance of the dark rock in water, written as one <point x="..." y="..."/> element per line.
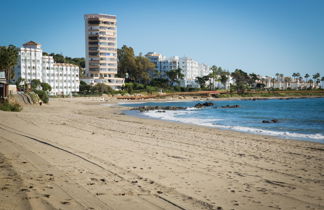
<point x="208" y="104"/>
<point x="230" y="106"/>
<point x="270" y="121"/>
<point x="160" y="108"/>
<point x="199" y="105"/>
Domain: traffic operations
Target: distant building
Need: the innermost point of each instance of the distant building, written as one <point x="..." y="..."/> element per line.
<point x="101" y="50"/>
<point x="285" y="83"/>
<point x="190" y="68"/>
<point x="62" y="77"/>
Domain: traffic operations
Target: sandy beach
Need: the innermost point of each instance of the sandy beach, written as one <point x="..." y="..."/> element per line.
<point x="78" y="154"/>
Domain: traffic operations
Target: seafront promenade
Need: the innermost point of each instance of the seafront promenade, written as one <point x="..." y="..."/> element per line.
<point x="78" y="154"/>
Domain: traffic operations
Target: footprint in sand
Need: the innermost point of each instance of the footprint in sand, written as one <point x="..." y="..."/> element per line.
<point x="46" y="195"/>
<point x="65" y="202"/>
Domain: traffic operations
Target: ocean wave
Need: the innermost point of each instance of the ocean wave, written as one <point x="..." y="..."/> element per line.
<point x="174" y="116"/>
<point x="130" y="103"/>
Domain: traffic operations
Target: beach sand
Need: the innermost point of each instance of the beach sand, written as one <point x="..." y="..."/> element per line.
<point x="78" y="154"/>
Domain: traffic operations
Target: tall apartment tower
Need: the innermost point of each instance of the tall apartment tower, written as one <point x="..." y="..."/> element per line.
<point x="101" y="50"/>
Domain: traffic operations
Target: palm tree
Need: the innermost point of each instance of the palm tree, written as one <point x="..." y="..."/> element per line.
<point x="306" y="77"/>
<point x="297" y="79"/>
<point x="8" y="60"/>
<point x="277" y="75"/>
<point x="322" y="85"/>
<point x="287" y="81"/>
<point x="273" y="81"/>
<point x="281" y="76"/>
<point x="294" y="75"/>
<point x="316" y="78"/>
<point x="215" y="74"/>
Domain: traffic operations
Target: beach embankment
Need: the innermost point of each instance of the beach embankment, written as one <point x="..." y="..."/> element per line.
<point x="78" y="154"/>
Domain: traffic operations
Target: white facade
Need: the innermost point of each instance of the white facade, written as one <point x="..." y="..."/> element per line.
<point x="62" y="77"/>
<point x="190" y="68"/>
<point x="29" y="62"/>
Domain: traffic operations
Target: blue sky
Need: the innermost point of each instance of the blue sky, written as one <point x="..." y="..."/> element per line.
<point x="260" y="36"/>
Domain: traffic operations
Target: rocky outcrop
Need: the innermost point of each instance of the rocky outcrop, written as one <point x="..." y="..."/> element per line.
<point x="230" y="106"/>
<point x="270" y="121"/>
<point x="202" y="105"/>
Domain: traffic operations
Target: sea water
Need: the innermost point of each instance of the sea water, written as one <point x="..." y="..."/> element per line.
<point x="300" y="119"/>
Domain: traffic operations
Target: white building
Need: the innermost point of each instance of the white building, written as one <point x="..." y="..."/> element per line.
<point x="190" y="68"/>
<point x="62" y="77"/>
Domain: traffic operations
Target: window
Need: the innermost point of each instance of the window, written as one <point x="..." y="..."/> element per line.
<point x="93" y="22"/>
<point x="93" y="38"/>
<point x="93" y="43"/>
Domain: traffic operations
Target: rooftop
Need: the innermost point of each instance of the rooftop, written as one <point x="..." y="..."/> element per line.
<point x="64" y="64"/>
<point x="31" y="43"/>
<point x="100" y="16"/>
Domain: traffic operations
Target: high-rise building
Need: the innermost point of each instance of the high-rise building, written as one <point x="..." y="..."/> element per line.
<point x="62" y="77"/>
<point x="101" y="50"/>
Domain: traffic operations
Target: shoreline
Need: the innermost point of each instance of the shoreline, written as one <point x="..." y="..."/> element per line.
<point x="76" y="154"/>
<point x="237" y="128"/>
<point x="190" y="98"/>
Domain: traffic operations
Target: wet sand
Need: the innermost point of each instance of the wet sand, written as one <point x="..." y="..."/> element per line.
<point x="78" y="154"/>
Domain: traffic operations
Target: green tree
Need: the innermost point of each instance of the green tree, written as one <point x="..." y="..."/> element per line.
<point x="294" y="75"/>
<point x="287" y="81"/>
<point x="277" y="75"/>
<point x="241" y="80"/>
<point x="217" y="74"/>
<point x="316" y="78"/>
<point x="306" y="77"/>
<point x="46" y="87"/>
<point x="224" y="78"/>
<point x="175" y="76"/>
<point x="8" y="60"/>
<point x="202" y="81"/>
<point x="143" y="71"/>
<point x="58" y="58"/>
<point x="126" y="62"/>
<point x="101" y="88"/>
<point x="35" y="84"/>
<point x="84" y="87"/>
<point x="21" y="84"/>
<point x="252" y="79"/>
<point x="43" y="95"/>
<point x="160" y="82"/>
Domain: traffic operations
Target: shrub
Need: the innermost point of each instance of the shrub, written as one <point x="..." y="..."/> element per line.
<point x="12" y="107"/>
<point x="42" y="95"/>
<point x="34" y="97"/>
<point x="101" y="88"/>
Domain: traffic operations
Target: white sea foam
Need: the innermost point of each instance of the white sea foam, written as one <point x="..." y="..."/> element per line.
<point x="173" y="116"/>
<point x="130" y="103"/>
